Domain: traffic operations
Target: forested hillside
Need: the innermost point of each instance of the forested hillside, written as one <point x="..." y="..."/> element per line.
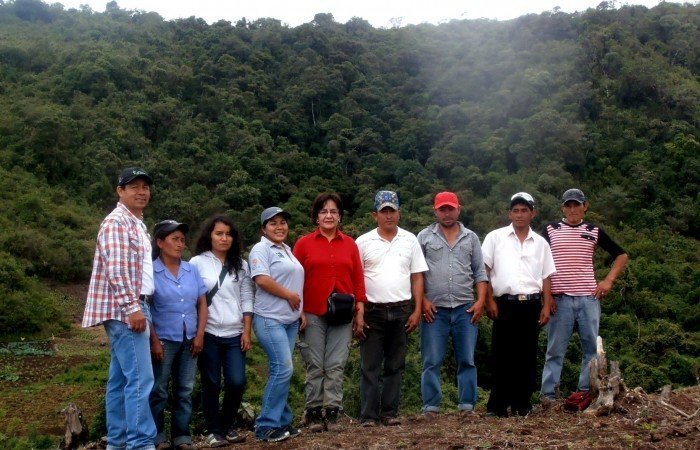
<point x="239" y="116"/>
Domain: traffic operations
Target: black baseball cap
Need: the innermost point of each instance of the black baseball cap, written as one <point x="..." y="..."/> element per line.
<point x="164" y="228"/>
<point x="573" y="194"/>
<point x="131" y="173"/>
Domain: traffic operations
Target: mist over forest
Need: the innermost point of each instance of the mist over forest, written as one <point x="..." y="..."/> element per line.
<point x="235" y="117"/>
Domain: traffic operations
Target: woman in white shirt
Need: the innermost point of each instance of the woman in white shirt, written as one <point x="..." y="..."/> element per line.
<point x="226" y="275"/>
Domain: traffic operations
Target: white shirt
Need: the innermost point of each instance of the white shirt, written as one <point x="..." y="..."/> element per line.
<point x="147" y="285"/>
<point x="388" y="265"/>
<point x="517" y="268"/>
<point x="232" y="300"/>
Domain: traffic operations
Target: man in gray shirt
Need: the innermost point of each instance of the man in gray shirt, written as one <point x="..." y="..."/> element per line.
<point x="453" y="254"/>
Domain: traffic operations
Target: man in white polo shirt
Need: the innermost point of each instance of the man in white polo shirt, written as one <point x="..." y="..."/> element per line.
<point x="519" y="263"/>
<point x="393" y="265"/>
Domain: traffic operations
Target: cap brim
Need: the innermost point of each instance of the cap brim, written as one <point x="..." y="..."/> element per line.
<point x="390" y="205"/>
<point x="441" y="204"/>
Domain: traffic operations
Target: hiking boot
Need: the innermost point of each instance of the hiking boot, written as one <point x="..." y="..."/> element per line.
<point x="273" y="435"/>
<point x="330" y="416"/>
<point x="314" y="419"/>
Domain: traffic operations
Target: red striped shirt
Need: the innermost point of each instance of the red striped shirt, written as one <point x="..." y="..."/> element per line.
<point x="573" y="248"/>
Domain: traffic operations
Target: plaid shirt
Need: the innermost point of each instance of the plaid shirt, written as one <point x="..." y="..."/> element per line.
<point x="115" y="284"/>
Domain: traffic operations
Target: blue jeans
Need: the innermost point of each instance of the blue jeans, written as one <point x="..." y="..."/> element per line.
<point x="584" y="311"/>
<point x="129" y="422"/>
<point x="179" y="365"/>
<point x="433" y="346"/>
<point x="220" y="353"/>
<point x="277" y="339"/>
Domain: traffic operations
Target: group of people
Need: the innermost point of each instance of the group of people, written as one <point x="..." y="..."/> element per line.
<point x="165" y="317"/>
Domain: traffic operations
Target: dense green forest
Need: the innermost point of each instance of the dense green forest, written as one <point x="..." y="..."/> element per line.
<point x="239" y="116"/>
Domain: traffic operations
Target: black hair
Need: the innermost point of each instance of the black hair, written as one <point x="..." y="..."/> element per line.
<point x="320" y="200"/>
<point x="521" y="201"/>
<point x="234" y="255"/>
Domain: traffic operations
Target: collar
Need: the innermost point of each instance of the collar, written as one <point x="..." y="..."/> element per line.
<point x="317" y="233"/>
<point x="512" y="231"/>
<point x="435" y="228"/>
<point x="125" y="211"/>
<point x="158" y="265"/>
<point x="269" y="243"/>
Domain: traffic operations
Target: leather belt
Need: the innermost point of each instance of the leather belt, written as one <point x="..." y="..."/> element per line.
<point x="521" y="297"/>
<point x="391" y="305"/>
<point x="145" y="298"/>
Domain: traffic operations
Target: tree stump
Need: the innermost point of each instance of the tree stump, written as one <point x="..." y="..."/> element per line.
<point x="77" y="432"/>
<point x="606" y="388"/>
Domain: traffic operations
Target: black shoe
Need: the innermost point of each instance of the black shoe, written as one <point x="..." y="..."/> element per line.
<point x="234" y="437"/>
<point x="293" y="431"/>
<point x="273" y="435"/>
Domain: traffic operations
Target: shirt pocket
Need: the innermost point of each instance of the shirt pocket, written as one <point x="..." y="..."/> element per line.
<point x="434" y="252"/>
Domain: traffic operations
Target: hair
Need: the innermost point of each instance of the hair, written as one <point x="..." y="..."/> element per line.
<point x="521" y="201"/>
<point x="155" y="250"/>
<point x="321" y="199"/>
<point x="234" y="255"/>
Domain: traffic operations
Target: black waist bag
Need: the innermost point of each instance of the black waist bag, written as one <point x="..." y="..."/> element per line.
<point x="341" y="309"/>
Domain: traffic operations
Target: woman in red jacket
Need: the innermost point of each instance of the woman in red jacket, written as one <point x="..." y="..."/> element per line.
<point x="332" y="265"/>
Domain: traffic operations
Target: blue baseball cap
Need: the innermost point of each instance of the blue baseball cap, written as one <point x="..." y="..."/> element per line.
<point x="382" y="199"/>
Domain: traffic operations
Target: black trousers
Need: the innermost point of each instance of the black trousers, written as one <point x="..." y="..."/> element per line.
<point x="514" y="356"/>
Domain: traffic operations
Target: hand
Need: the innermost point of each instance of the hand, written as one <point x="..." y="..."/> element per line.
<point x="294" y="300"/>
<point x="302" y="325"/>
<point x="491" y="308"/>
<point x="359" y="326"/>
<point x="246" y="342"/>
<point x="412" y="322"/>
<point x="197" y="345"/>
<point x="553" y="308"/>
<point x="429" y="310"/>
<point x="476" y="310"/>
<point x="602" y="289"/>
<point x="544" y="316"/>
<point x="137" y="322"/>
<point x="157" y="351"/>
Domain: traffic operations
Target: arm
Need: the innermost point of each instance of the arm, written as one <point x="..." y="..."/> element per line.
<point x="605" y="286"/>
<point x="247" y="304"/>
<point x="267" y="283"/>
<point x="156" y="347"/>
<point x="358" y="284"/>
<point x="202" y="316"/>
<point x="478" y="308"/>
<point x="417" y="289"/>
<point x="114" y="242"/>
<point x="246" y="341"/>
<point x="491" y="305"/>
<point x="548" y="305"/>
<point x="481" y="280"/>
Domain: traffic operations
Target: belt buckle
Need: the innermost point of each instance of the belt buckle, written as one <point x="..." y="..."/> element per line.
<point x="522" y="297"/>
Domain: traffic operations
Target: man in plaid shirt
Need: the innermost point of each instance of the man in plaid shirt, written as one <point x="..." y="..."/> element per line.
<point x="121" y="284"/>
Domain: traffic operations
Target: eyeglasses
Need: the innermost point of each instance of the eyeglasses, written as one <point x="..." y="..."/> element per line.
<point x="328" y="212"/>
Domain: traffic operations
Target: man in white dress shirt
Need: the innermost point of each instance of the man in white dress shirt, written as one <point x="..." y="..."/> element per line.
<point x="519" y="263"/>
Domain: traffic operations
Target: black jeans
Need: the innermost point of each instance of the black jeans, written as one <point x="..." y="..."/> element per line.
<point x="514" y="356"/>
<point x="221" y="355"/>
<point x="385" y="345"/>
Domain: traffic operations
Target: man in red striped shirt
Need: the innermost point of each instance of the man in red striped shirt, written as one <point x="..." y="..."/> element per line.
<point x="576" y="292"/>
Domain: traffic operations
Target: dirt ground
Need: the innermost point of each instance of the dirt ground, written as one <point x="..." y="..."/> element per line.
<point x="641" y="423"/>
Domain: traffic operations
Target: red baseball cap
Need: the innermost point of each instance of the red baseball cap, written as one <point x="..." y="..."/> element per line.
<point x="446" y="199"/>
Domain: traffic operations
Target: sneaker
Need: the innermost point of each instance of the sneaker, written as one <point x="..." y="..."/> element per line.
<point x="368" y="423"/>
<point x="163" y="446"/>
<point x="234" y="437"/>
<point x="293" y="431"/>
<point x="273" y="435"/>
<point x="391" y="421"/>
<point x="215" y="441"/>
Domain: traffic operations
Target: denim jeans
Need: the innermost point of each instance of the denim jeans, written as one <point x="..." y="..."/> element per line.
<point x="455" y="322"/>
<point x="221" y="354"/>
<point x="514" y="353"/>
<point x="277" y="339"/>
<point x="385" y="345"/>
<point x="179" y="366"/>
<point x="129" y="422"/>
<point x="325" y="349"/>
<point x="584" y="311"/>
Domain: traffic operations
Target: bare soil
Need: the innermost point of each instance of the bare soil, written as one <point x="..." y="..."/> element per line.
<point x="39" y="394"/>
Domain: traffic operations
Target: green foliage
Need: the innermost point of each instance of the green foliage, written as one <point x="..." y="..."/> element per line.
<point x="237" y="117"/>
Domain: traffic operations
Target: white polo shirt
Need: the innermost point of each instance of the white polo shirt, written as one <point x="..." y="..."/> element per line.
<point x="517" y="268"/>
<point x="388" y="265"/>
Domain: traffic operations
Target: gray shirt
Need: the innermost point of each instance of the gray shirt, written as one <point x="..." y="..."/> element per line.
<point x="453" y="270"/>
<point x="278" y="262"/>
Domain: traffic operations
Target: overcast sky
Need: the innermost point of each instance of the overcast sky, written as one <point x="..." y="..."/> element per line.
<point x="378" y="12"/>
